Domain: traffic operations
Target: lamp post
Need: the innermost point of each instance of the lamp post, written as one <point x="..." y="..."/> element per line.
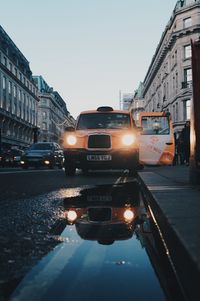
<point x="36" y="133"/>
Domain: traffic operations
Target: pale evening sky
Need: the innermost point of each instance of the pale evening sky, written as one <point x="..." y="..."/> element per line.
<point x="87" y="50"/>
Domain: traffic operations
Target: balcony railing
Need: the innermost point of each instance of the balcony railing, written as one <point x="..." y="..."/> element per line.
<point x="186" y="85"/>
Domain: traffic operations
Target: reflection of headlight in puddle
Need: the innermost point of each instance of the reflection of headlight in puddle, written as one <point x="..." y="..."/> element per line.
<point x="128" y="139"/>
<point x="71" y="215"/>
<point x="128" y="215"/>
<point x="71" y="139"/>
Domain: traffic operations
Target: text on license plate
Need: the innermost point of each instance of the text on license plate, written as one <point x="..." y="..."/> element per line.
<point x="99" y="157"/>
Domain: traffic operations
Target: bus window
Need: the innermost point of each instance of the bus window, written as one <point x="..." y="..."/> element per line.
<point x="156" y="139"/>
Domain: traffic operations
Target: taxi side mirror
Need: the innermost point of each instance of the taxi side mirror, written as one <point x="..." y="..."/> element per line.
<point x="140" y="129"/>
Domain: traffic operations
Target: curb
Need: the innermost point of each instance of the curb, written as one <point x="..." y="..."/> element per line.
<point x="184" y="266"/>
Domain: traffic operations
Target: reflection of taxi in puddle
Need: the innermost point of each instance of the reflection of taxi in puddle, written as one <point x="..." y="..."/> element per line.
<point x="103" y="139"/>
<point x="104" y="223"/>
<point x="105" y="214"/>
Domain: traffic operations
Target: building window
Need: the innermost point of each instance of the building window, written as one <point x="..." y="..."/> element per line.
<point x="176" y="80"/>
<point x="4" y="83"/>
<point x="44" y="115"/>
<point x="175" y="57"/>
<point x="187" y="109"/>
<point x="176" y="111"/>
<point x="10" y="67"/>
<point x="173" y="112"/>
<point x="15" y="71"/>
<point x="44" y="126"/>
<point x="44" y="101"/>
<point x="20" y="95"/>
<point x="187" y="52"/>
<point x="15" y="92"/>
<point x="187" y="22"/>
<point x="9" y="87"/>
<point x="15" y="108"/>
<point x="187" y="75"/>
<point x="5" y="61"/>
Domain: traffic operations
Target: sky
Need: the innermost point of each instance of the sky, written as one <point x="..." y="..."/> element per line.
<point x="87" y="50"/>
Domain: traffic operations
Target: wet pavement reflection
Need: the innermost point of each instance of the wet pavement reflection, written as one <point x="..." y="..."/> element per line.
<point x="109" y="251"/>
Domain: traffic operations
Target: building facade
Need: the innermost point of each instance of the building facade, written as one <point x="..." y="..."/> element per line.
<point x="137" y="103"/>
<point x="53" y="115"/>
<point x="168" y="83"/>
<point x="18" y="96"/>
<point x="126" y="100"/>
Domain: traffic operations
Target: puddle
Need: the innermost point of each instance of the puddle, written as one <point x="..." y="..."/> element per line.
<point x="108" y="250"/>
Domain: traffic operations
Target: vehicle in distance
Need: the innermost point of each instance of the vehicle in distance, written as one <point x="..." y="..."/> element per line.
<point x="43" y="154"/>
<point x="11" y="157"/>
<point x="102" y="139"/>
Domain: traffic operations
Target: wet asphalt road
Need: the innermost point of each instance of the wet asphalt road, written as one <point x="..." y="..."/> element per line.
<point x="32" y="215"/>
<point x="33" y="222"/>
<point x="17" y="183"/>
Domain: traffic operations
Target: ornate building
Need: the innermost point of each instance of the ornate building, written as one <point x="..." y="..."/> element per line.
<point x="18" y="96"/>
<point x="53" y="115"/>
<point x="168" y="82"/>
<point x="167" y="85"/>
<point x="137" y="103"/>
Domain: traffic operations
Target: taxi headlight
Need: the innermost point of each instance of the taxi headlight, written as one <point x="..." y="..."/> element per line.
<point x="71" y="215"/>
<point x="71" y="140"/>
<point x="128" y="139"/>
<point x="128" y="215"/>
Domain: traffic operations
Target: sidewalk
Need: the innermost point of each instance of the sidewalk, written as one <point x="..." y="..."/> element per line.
<point x="176" y="207"/>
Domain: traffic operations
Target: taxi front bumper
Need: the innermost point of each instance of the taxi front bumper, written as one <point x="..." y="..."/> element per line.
<point x="84" y="158"/>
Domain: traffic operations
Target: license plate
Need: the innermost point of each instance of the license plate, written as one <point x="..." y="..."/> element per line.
<point x="99" y="157"/>
<point x="99" y="198"/>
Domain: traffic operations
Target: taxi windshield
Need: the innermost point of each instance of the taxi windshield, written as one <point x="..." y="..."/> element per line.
<point x="103" y="121"/>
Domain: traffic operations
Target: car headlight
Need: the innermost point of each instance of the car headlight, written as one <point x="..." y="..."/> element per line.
<point x="128" y="215"/>
<point x="128" y="139"/>
<point x="71" y="140"/>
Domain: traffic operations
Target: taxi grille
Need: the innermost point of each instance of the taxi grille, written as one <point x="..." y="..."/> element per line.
<point x="99" y="141"/>
<point x="99" y="214"/>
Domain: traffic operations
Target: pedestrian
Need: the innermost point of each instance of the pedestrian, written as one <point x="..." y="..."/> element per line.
<point x="180" y="151"/>
<point x="185" y="138"/>
<point x="175" y="161"/>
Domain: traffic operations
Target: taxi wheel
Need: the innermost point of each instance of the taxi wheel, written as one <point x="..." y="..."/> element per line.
<point x="70" y="170"/>
<point x="85" y="171"/>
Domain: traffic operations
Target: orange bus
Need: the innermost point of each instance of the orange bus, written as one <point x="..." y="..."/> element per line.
<point x="156" y="142"/>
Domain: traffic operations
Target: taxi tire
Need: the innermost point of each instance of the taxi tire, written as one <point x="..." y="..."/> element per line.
<point x="85" y="171"/>
<point x="70" y="170"/>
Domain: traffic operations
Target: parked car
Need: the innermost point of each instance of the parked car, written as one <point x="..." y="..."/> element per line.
<point x="102" y="139"/>
<point x="11" y="157"/>
<point x="47" y="154"/>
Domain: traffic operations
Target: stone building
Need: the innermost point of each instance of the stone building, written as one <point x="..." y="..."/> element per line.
<point x="167" y="85"/>
<point x="53" y="115"/>
<point x="168" y="82"/>
<point x="18" y="96"/>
